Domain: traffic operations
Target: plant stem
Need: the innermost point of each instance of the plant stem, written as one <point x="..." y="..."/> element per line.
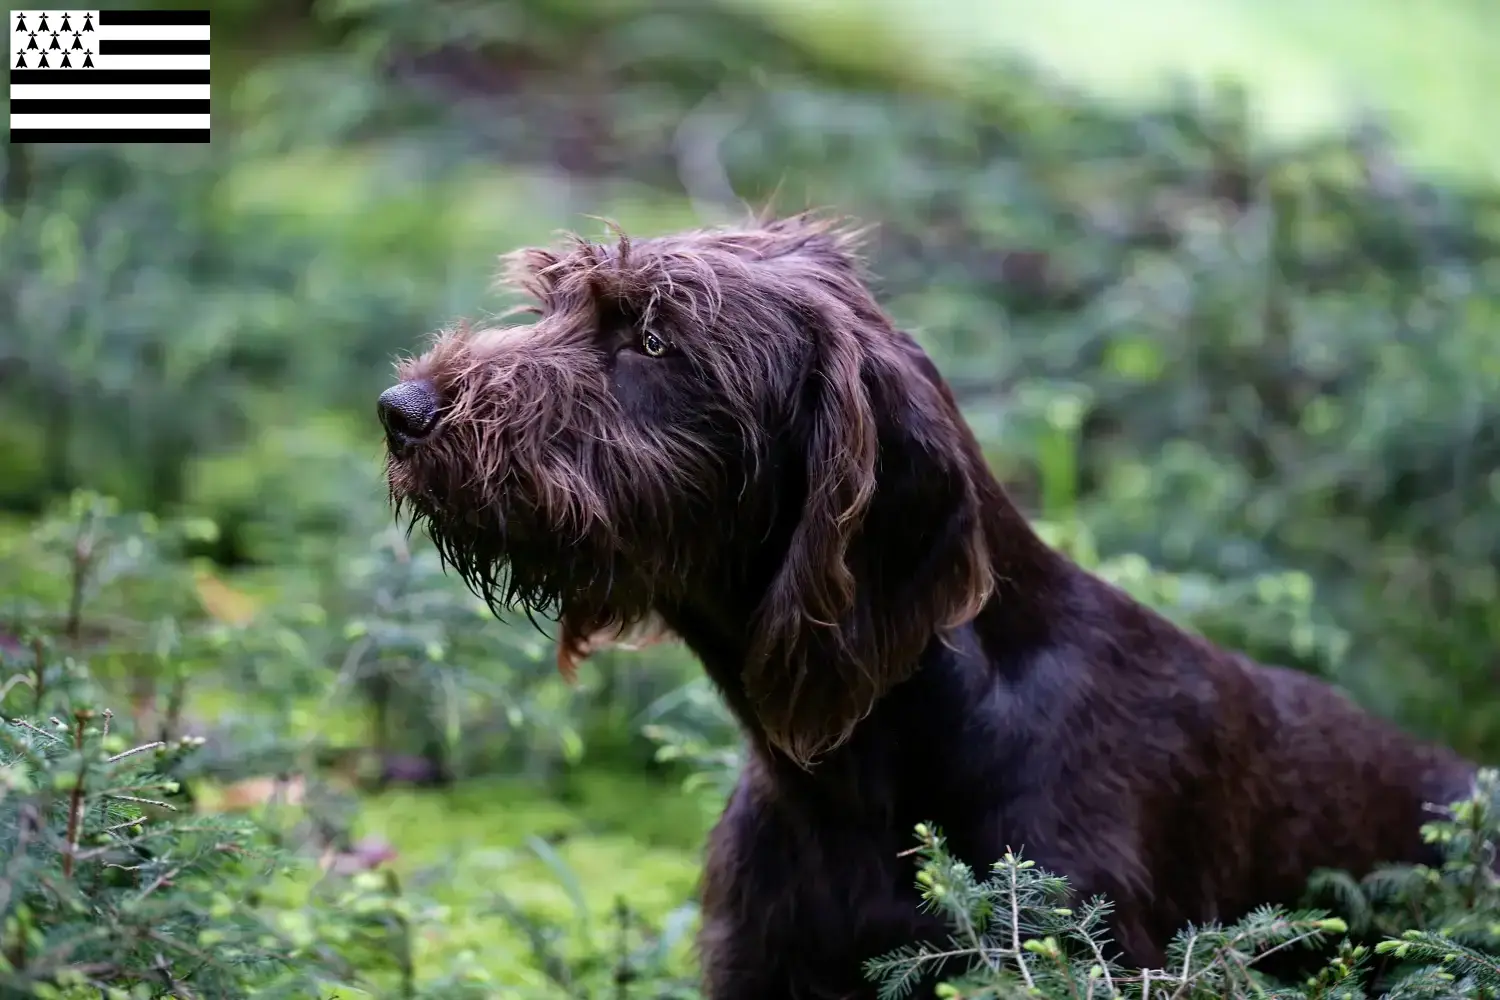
<point x="75" y="798"/>
<point x="1015" y="923"/>
<point x="83" y="556"/>
<point x="39" y="677"/>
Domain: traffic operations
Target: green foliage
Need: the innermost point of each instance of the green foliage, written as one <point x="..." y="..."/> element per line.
<point x="159" y="895"/>
<point x="1021" y="933"/>
<point x="113" y="887"/>
<point x="1018" y="933"/>
<point x="630" y="957"/>
<point x="102" y="887"/>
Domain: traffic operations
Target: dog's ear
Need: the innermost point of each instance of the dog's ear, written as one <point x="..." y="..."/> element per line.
<point x="888" y="548"/>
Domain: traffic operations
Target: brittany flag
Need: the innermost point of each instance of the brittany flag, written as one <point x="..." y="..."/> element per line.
<point x="109" y="76"/>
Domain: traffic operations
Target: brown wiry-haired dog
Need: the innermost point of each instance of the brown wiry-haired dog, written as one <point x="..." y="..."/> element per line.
<point x="723" y="432"/>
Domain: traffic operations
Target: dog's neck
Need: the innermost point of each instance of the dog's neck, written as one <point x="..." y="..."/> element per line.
<point x="907" y="756"/>
<point x="881" y="765"/>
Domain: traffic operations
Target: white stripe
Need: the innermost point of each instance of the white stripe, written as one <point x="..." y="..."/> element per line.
<point x="75" y="62"/>
<point x="109" y="92"/>
<point x="146" y="32"/>
<point x="152" y="62"/>
<point x="109" y="121"/>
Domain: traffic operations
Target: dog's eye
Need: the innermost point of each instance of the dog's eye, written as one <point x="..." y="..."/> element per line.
<point x="654" y="345"/>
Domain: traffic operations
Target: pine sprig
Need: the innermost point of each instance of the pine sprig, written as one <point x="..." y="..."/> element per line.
<point x="1473" y="973"/>
<point x="1014" y="934"/>
<point x="103" y="885"/>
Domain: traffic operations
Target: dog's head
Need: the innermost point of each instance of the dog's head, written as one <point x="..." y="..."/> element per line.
<point x="720" y="418"/>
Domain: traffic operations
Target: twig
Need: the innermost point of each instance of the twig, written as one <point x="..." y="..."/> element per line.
<point x="75" y="798"/>
<point x="1015" y="922"/>
<point x="1103" y="965"/>
<point x="39" y="731"/>
<point x="1286" y="944"/>
<point x="176" y="695"/>
<point x="135" y="750"/>
<point x="143" y="801"/>
<point x="39" y="685"/>
<point x="1187" y="964"/>
<point x="149" y="836"/>
<point x="115" y="828"/>
<point x="83" y="555"/>
<point x="165" y="878"/>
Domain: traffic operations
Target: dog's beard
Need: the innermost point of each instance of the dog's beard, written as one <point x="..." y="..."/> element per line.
<point x="516" y="559"/>
<point x="587" y="532"/>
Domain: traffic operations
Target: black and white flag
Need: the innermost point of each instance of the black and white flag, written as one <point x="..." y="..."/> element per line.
<point x="109" y="76"/>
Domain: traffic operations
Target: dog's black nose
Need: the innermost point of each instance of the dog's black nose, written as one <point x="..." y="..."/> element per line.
<point x="408" y="411"/>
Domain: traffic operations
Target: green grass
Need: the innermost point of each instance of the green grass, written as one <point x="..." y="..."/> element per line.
<point x="468" y="844"/>
<point x="612" y="833"/>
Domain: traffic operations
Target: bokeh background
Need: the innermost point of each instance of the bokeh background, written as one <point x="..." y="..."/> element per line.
<point x="1218" y="282"/>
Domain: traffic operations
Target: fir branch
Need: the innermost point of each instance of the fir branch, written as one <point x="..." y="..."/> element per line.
<point x="1482" y="968"/>
<point x="1012" y="866"/>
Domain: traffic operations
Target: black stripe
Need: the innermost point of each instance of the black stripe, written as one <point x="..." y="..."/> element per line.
<point x="133" y="106"/>
<point x="109" y="135"/>
<point x="153" y="46"/>
<point x="69" y="76"/>
<point x="139" y="17"/>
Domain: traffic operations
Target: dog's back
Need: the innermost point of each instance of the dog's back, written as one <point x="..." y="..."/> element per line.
<point x="1337" y="786"/>
<point x="1245" y="778"/>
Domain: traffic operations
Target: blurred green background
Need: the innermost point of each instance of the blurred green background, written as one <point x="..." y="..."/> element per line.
<point x="1218" y="283"/>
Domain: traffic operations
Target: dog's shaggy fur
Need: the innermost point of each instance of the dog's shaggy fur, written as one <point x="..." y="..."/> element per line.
<point x="722" y="432"/>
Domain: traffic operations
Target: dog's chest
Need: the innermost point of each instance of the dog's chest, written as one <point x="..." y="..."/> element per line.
<point x="809" y="903"/>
